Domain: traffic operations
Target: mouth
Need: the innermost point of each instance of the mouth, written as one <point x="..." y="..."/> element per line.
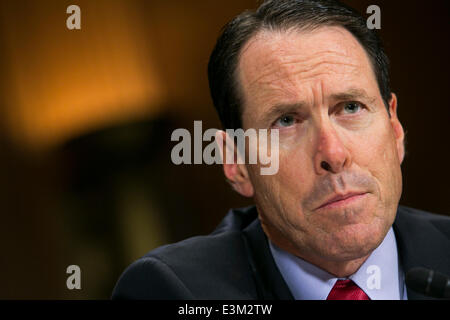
<point x="342" y="200"/>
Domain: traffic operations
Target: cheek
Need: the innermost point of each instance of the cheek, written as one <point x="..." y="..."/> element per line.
<point x="283" y="191"/>
<point x="377" y="154"/>
<point x="291" y="184"/>
<point x="295" y="173"/>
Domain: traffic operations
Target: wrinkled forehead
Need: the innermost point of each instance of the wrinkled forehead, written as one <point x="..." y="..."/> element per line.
<point x="273" y="59"/>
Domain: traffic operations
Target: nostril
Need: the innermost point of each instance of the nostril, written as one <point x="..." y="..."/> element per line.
<point x="324" y="165"/>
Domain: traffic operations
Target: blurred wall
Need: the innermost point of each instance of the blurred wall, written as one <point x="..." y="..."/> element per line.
<point x="86" y="119"/>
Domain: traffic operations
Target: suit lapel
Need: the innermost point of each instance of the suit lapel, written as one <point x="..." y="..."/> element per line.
<point x="269" y="281"/>
<point x="420" y="244"/>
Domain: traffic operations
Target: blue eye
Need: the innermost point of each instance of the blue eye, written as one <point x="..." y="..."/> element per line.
<point x="352" y="107"/>
<point x="285" y="121"/>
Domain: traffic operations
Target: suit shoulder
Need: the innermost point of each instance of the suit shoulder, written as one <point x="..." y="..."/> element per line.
<point x="138" y="282"/>
<point x="199" y="249"/>
<point x="203" y="267"/>
<point x="424" y="215"/>
<point x="217" y="248"/>
<point x="416" y="216"/>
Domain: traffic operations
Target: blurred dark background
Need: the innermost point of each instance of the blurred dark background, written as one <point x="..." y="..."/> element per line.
<point x="86" y="118"/>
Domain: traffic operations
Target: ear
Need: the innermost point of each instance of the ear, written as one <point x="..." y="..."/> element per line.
<point x="397" y="127"/>
<point x="236" y="173"/>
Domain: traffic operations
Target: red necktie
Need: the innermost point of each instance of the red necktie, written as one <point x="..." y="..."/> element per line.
<point x="346" y="290"/>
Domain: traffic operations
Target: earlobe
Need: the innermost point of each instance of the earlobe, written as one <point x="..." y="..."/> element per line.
<point x="397" y="127"/>
<point x="236" y="174"/>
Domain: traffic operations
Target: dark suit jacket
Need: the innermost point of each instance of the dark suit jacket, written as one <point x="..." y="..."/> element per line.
<point x="235" y="262"/>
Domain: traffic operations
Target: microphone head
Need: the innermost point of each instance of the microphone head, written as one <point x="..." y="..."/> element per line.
<point x="427" y="282"/>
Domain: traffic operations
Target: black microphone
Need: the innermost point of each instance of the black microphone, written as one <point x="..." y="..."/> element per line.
<point x="428" y="282"/>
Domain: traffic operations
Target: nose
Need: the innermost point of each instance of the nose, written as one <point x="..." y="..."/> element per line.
<point x="331" y="155"/>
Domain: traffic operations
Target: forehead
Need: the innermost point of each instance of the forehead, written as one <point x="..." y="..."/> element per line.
<point x="275" y="63"/>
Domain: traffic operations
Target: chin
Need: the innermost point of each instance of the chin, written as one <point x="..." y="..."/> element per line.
<point x="353" y="241"/>
<point x="360" y="240"/>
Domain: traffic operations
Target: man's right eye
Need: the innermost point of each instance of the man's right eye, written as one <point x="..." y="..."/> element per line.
<point x="285" y="121"/>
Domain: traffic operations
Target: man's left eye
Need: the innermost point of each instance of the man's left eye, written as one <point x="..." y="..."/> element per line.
<point x="352" y="107"/>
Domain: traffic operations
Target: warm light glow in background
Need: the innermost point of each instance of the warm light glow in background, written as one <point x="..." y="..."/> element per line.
<point x="64" y="83"/>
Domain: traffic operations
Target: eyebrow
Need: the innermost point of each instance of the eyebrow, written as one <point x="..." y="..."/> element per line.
<point x="287" y="108"/>
<point x="353" y="94"/>
<point x="283" y="108"/>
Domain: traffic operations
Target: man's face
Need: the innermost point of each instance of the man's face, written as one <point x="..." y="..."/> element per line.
<point x="335" y="140"/>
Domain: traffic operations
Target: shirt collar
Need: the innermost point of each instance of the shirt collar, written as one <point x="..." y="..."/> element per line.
<point x="379" y="276"/>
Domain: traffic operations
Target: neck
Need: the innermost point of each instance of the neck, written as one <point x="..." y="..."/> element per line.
<point x="338" y="268"/>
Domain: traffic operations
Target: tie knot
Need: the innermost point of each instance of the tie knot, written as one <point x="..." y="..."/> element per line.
<point x="346" y="290"/>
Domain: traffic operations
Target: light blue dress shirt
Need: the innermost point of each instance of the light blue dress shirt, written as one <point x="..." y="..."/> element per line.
<point x="380" y="276"/>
